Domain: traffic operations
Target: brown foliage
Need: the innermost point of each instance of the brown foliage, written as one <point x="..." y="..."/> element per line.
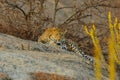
<point x="28" y="19"/>
<point x="4" y="77"/>
<point x="48" y="76"/>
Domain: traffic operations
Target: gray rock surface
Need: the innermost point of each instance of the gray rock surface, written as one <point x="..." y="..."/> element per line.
<point x="18" y="63"/>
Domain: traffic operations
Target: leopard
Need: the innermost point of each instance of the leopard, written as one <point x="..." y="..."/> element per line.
<point x="52" y="35"/>
<point x="56" y="36"/>
<point x="70" y="45"/>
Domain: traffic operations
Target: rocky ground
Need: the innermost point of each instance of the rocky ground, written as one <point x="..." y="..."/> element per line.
<point x="28" y="60"/>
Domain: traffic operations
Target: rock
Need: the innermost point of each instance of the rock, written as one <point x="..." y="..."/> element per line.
<point x="34" y="64"/>
<point x="18" y="64"/>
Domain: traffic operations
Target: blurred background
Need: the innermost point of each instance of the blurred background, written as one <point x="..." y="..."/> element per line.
<point x="28" y="19"/>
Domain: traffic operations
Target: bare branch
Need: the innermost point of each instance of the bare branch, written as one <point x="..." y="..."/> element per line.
<point x="95" y="5"/>
<point x="108" y="5"/>
<point x="17" y="7"/>
<point x="55" y="11"/>
<point x="63" y="8"/>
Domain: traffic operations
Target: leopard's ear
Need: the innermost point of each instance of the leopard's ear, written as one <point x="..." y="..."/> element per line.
<point x="51" y="38"/>
<point x="50" y="29"/>
<point x="47" y="29"/>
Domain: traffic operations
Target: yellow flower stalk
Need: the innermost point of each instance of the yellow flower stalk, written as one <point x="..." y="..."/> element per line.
<point x="97" y="50"/>
<point x="114" y="47"/>
<point x="111" y="49"/>
<point x="111" y="61"/>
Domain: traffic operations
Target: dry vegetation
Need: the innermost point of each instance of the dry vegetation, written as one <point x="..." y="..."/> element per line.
<point x="113" y="47"/>
<point x="29" y="18"/>
<point x="4" y="77"/>
<point x="46" y="76"/>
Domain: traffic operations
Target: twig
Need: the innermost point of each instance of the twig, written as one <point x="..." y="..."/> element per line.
<point x="17" y="7"/>
<point x="55" y="11"/>
<point x="63" y="8"/>
<point x="88" y="6"/>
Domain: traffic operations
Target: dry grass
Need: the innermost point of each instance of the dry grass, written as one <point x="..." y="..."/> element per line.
<point x="16" y="21"/>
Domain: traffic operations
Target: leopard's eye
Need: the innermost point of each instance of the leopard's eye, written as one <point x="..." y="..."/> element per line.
<point x="58" y="43"/>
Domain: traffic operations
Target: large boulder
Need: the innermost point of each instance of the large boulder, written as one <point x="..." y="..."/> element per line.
<point x="28" y="60"/>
